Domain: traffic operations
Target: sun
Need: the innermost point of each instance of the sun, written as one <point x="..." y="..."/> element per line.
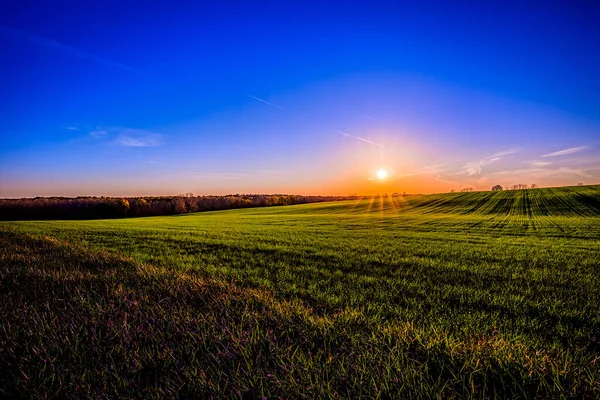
<point x="382" y="174"/>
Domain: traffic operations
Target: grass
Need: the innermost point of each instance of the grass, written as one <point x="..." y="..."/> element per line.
<point x="483" y="294"/>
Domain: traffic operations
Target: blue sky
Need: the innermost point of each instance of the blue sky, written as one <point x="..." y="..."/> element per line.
<point x="104" y="98"/>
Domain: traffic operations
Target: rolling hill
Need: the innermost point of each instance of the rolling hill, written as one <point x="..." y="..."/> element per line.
<point x="460" y="295"/>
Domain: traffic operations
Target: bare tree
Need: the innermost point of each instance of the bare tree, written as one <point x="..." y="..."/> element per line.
<point x="497" y="187"/>
<point x="580" y="184"/>
<point x="179" y="206"/>
<point x="533" y="185"/>
<point x="468" y="189"/>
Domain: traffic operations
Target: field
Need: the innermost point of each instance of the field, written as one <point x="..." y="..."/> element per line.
<point x="483" y="294"/>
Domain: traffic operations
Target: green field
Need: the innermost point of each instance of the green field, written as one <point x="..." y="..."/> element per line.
<point x="483" y="294"/>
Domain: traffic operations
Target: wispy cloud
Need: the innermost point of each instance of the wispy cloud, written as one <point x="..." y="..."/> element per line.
<point x="472" y="168"/>
<point x="128" y="137"/>
<point x="138" y="138"/>
<point x="539" y="172"/>
<point x="361" y="138"/>
<point x="368" y="117"/>
<point x="71" y="128"/>
<point x="436" y="168"/>
<point x="264" y="101"/>
<point x="565" y="151"/>
<point x="476" y="167"/>
<point x="538" y="163"/>
<point x="98" y="133"/>
<point x="67" y="49"/>
<point x="503" y="153"/>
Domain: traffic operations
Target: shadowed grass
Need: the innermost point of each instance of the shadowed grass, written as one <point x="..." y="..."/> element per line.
<point x="86" y="324"/>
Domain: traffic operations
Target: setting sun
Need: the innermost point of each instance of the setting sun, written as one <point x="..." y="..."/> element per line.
<point x="382" y="173"/>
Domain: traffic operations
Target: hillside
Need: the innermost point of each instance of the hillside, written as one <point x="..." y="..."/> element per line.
<point x="563" y="201"/>
<point x="446" y="296"/>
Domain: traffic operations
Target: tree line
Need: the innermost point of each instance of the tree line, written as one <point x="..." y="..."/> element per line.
<point x="118" y="207"/>
<point x="518" y="186"/>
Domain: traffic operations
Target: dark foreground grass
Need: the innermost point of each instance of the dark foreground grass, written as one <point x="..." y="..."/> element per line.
<point x="383" y="298"/>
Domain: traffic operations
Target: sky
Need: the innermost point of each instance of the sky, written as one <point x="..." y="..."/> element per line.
<point x="161" y="98"/>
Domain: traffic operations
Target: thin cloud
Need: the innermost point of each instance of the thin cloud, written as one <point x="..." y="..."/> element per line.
<point x="98" y="133"/>
<point x="360" y="138"/>
<point x="266" y="172"/>
<point x="264" y="101"/>
<point x="476" y="167"/>
<point x="472" y="168"/>
<point x="128" y="137"/>
<point x="368" y="117"/>
<point x="539" y="172"/>
<point x="538" y="163"/>
<point x="433" y="169"/>
<point x="503" y="153"/>
<point x="565" y="151"/>
<point x="64" y="48"/>
<point x="71" y="128"/>
<point x="138" y="138"/>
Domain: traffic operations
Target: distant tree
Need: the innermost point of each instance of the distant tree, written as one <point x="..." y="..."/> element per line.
<point x="140" y="207"/>
<point x="497" y="187"/>
<point x="533" y="185"/>
<point x="396" y="194"/>
<point x="123" y="206"/>
<point x="452" y="191"/>
<point x="515" y="187"/>
<point x="580" y="184"/>
<point x="468" y="189"/>
<point x="179" y="207"/>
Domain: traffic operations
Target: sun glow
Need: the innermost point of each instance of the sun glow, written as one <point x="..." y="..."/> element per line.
<point x="382" y="174"/>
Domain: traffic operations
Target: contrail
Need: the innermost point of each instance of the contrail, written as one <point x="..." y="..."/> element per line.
<point x="44" y="41"/>
<point x="363" y="139"/>
<point x="264" y="101"/>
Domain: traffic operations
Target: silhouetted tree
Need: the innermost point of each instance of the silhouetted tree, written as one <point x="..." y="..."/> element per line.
<point x="497" y="187"/>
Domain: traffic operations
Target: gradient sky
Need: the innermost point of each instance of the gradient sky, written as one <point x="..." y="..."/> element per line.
<point x="107" y="98"/>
